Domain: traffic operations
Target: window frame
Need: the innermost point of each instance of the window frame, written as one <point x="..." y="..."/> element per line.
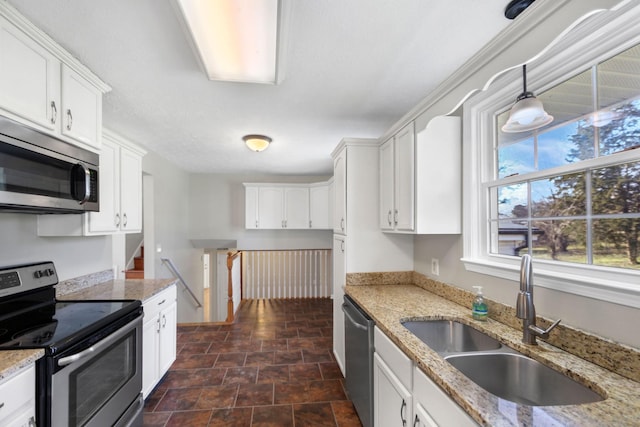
<point x="577" y="51"/>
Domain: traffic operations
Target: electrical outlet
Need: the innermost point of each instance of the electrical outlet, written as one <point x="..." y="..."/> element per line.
<point x="435" y="266"/>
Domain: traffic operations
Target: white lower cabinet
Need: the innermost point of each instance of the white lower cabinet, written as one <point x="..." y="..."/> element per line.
<point x="18" y="399"/>
<point x="159" y="333"/>
<point x="433" y="407"/>
<point x="392" y="384"/>
<point x="339" y="275"/>
<point x="404" y="396"/>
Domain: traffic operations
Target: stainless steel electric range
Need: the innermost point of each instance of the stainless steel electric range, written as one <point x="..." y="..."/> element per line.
<point x="91" y="374"/>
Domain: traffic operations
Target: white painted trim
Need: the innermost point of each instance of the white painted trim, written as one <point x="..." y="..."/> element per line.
<point x="597" y="39"/>
<point x="123" y="142"/>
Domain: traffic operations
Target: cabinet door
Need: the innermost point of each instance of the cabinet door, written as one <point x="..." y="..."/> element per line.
<point x="319" y="207"/>
<point x="29" y="78"/>
<point x="339" y="274"/>
<point x="392" y="403"/>
<point x="168" y="336"/>
<point x="108" y="219"/>
<point x="404" y="186"/>
<point x="150" y="345"/>
<point x="81" y="109"/>
<point x="421" y="417"/>
<point x="386" y="185"/>
<point x="296" y="207"/>
<point x="251" y="208"/>
<point x="270" y="207"/>
<point x="340" y="192"/>
<point x="130" y="191"/>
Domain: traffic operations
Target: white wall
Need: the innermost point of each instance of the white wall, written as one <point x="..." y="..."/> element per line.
<point x="608" y="320"/>
<point x="171" y="231"/>
<point x="72" y="256"/>
<point x="217" y="212"/>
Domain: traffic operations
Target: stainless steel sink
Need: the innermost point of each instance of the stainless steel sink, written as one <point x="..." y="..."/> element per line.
<point x="519" y="379"/>
<point x="448" y="336"/>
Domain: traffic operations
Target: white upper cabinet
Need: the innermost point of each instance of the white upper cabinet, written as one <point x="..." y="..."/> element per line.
<point x="319" y="206"/>
<point x="340" y="192"/>
<point x="439" y="175"/>
<point x="420" y="178"/>
<point x="29" y="78"/>
<point x="286" y="206"/>
<point x="397" y="181"/>
<point x="296" y="207"/>
<point x="81" y="109"/>
<point x="120" y="192"/>
<point x="45" y="87"/>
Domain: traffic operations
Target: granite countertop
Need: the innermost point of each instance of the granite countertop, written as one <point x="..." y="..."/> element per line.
<point x="140" y="289"/>
<point x="11" y="361"/>
<point x="388" y="305"/>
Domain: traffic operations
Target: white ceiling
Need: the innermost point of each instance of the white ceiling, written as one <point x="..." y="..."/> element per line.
<point x="354" y="67"/>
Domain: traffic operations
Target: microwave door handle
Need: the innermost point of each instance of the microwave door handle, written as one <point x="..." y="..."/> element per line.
<point x="87" y="183"/>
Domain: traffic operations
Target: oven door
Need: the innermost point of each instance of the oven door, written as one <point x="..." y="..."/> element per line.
<point x="100" y="385"/>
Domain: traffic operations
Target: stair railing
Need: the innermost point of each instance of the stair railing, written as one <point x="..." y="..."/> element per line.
<point x="177" y="275"/>
<point x="231" y="257"/>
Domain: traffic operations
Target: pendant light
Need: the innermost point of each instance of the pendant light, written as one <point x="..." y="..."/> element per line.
<point x="527" y="113"/>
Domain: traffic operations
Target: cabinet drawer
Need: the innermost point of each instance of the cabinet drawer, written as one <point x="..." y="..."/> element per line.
<point x="153" y="305"/>
<point x="401" y="365"/>
<point x="16" y="392"/>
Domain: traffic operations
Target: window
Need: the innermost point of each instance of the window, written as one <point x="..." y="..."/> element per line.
<point x="569" y="193"/>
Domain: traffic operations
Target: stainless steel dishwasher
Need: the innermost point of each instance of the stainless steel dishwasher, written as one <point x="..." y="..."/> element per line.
<point x="358" y="338"/>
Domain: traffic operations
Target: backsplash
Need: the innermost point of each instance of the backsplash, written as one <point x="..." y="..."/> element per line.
<point x="619" y="358"/>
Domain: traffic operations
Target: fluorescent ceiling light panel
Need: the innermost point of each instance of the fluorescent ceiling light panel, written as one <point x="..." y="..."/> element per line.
<point x="235" y="40"/>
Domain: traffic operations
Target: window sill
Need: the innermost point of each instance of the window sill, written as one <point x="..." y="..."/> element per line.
<point x="619" y="286"/>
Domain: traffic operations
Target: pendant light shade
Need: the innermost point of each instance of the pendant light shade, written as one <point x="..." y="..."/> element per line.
<point x="528" y="112"/>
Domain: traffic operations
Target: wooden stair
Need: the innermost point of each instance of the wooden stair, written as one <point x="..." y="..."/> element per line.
<point x="137" y="272"/>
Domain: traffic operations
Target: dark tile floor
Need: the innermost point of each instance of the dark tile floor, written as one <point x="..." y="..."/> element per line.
<point x="273" y="366"/>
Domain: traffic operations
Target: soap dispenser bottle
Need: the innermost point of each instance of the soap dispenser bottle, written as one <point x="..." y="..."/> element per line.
<point x="479" y="309"/>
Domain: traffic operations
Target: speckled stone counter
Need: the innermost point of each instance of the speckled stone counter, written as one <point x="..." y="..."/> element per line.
<point x="11" y="361"/>
<point x="141" y="289"/>
<point x="388" y="305"/>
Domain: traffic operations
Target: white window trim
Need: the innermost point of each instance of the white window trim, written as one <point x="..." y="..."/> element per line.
<point x="593" y="42"/>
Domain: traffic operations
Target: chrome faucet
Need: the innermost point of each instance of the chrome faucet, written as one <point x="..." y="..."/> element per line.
<point x="525" y="309"/>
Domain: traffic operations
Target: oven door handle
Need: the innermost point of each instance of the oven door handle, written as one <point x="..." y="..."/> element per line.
<point x="75" y="357"/>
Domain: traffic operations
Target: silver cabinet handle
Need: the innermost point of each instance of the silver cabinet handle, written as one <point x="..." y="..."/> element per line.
<point x="342" y="246"/>
<point x="416" y="420"/>
<point x="164" y="321"/>
<point x="342" y="223"/>
<point x="158" y="323"/>
<point x="389" y="217"/>
<point x="402" y="408"/>
<point x="54" y="112"/>
<point x="32" y="421"/>
<point x="117" y="220"/>
<point x="74" y="357"/>
<point x="310" y="224"/>
<point x="69" y="119"/>
<point x="162" y="302"/>
<point x="256" y="223"/>
<point x="1" y="405"/>
<point x="395" y="217"/>
<point x="124" y="219"/>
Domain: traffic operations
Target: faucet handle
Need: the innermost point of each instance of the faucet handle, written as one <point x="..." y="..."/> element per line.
<point x="543" y="333"/>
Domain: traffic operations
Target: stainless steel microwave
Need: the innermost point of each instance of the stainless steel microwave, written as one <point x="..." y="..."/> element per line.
<point x="42" y="174"/>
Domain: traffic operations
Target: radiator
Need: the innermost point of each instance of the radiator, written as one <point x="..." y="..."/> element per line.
<point x="287" y="274"/>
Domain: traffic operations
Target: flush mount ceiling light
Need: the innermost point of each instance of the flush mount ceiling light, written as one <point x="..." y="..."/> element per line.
<point x="257" y="142"/>
<point x="528" y="112"/>
<point x="236" y="40"/>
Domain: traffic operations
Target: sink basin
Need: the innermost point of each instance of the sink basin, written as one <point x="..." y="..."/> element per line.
<point x="448" y="336"/>
<point x="519" y="379"/>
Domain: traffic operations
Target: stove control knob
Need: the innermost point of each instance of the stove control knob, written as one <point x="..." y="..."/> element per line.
<point x="37" y="274"/>
<point x="48" y="272"/>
